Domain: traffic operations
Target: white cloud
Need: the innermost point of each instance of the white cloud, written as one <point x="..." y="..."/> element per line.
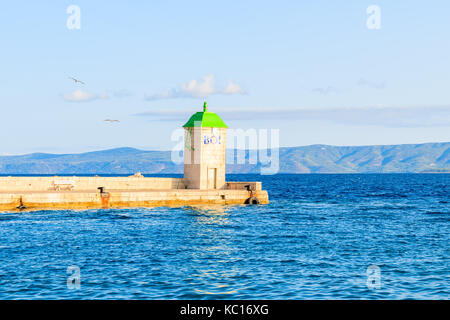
<point x="197" y="89"/>
<point x="233" y="88"/>
<point x="82" y="96"/>
<point x="384" y="116"/>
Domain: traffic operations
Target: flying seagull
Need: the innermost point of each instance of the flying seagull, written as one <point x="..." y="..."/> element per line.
<point x="76" y="80"/>
<point x="111" y="121"/>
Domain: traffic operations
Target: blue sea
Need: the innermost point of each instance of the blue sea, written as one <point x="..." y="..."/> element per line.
<point x="323" y="236"/>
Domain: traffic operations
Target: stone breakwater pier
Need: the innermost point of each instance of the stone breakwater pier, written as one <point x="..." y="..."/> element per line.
<point x="203" y="181"/>
<point x="35" y="193"/>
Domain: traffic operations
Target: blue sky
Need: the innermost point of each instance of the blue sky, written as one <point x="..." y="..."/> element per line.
<point x="309" y="68"/>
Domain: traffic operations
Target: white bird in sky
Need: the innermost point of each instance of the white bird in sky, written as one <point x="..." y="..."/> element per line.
<point x="76" y="80"/>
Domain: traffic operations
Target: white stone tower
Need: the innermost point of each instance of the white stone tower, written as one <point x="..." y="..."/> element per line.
<point x="204" y="151"/>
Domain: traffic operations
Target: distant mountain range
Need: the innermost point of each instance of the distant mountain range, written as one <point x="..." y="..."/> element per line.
<point x="428" y="157"/>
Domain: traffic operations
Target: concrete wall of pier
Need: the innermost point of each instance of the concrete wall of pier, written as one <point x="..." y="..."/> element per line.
<point x="13" y="184"/>
<point x="117" y="199"/>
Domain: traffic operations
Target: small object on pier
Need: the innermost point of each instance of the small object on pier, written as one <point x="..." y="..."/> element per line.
<point x="252" y="200"/>
<point x="63" y="185"/>
<point x="105" y="197"/>
<point x="21" y="206"/>
<point x="137" y="175"/>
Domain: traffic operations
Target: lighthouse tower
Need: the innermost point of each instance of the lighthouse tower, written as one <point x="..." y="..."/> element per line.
<point x="204" y="151"/>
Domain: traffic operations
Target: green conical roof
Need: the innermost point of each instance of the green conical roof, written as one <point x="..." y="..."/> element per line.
<point x="205" y="119"/>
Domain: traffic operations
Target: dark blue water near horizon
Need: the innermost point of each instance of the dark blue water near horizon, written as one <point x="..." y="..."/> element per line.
<point x="315" y="240"/>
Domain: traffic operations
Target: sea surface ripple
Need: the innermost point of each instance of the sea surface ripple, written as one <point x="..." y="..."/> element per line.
<point x="315" y="240"/>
